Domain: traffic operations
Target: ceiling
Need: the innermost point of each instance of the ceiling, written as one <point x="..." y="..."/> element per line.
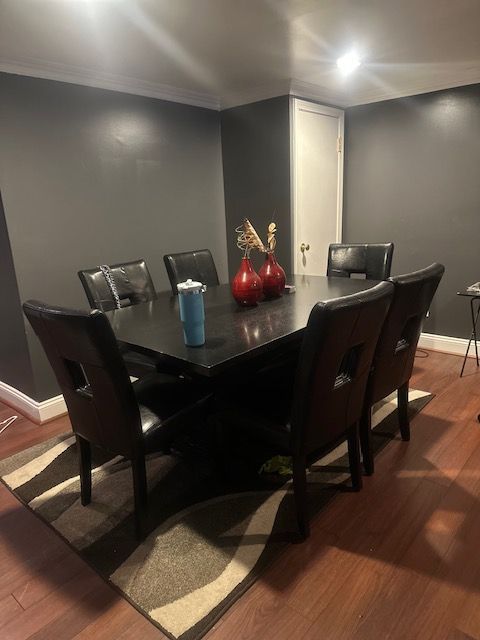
<point x="220" y="53"/>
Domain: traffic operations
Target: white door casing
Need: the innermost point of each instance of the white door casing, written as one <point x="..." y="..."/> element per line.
<point x="317" y="180"/>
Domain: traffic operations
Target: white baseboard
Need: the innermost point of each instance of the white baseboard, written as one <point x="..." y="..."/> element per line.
<point x="38" y="412"/>
<point x="447" y="344"/>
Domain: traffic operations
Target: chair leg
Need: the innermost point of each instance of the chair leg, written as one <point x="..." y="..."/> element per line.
<point x="366" y="441"/>
<point x="354" y="458"/>
<point x="140" y="494"/>
<point x="402" y="395"/>
<point x="85" y="464"/>
<point x="300" y="495"/>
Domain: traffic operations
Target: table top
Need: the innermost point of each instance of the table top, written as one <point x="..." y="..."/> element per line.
<point x="233" y="334"/>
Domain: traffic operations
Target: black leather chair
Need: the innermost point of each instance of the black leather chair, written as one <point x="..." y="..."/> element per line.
<point x="325" y="403"/>
<point x="131" y="280"/>
<point x="132" y="284"/>
<point x="197" y="265"/>
<point x="105" y="409"/>
<point x="395" y="352"/>
<point x="372" y="260"/>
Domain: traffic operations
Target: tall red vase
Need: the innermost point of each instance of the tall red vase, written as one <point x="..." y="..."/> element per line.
<point x="247" y="285"/>
<point x="272" y="276"/>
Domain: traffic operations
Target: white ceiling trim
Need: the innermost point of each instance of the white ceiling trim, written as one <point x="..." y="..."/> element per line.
<point x="113" y="82"/>
<point x="255" y="94"/>
<point x="125" y="84"/>
<point x="471" y="76"/>
<point x="296" y="88"/>
<point x="302" y="89"/>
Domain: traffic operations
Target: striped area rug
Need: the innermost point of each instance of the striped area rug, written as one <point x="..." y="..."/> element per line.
<point x="208" y="542"/>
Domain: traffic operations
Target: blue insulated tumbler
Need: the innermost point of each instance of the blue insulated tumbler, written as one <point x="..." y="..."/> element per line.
<point x="192" y="312"/>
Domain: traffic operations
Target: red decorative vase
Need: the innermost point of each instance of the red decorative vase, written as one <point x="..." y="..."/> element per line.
<point x="247" y="285"/>
<point x="273" y="276"/>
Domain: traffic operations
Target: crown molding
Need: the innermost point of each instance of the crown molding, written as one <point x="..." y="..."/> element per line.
<point x="47" y="70"/>
<point x="470" y="76"/>
<point x="102" y="80"/>
<point x="296" y="88"/>
<point x="255" y="94"/>
<point x="311" y="91"/>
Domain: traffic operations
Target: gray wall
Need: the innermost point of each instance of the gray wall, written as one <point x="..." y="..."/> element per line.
<point x="256" y="169"/>
<point x="412" y="176"/>
<point x="15" y="368"/>
<point x="91" y="176"/>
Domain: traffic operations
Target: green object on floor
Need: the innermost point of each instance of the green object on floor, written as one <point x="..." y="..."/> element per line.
<point x="281" y="465"/>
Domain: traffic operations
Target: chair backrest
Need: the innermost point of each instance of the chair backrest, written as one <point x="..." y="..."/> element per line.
<point x="334" y="365"/>
<point x="131" y="280"/>
<point x="373" y="260"/>
<point x="197" y="265"/>
<point x="395" y="353"/>
<point x="85" y="358"/>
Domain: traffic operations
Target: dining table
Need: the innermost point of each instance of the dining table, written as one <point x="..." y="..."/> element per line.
<point x="235" y="336"/>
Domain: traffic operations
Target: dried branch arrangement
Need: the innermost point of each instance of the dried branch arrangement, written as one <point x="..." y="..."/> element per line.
<point x="248" y="238"/>
<point x="271" y="240"/>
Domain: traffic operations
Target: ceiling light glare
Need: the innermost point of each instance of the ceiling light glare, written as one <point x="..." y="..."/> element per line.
<point x="348" y="63"/>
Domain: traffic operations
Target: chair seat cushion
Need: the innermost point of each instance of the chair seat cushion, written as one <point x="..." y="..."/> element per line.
<point x="167" y="404"/>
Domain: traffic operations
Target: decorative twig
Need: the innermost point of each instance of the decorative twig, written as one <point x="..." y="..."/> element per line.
<point x="248" y="238"/>
<point x="252" y="236"/>
<point x="271" y="239"/>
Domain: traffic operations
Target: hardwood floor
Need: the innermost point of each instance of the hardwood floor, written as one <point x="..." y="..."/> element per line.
<point x="399" y="560"/>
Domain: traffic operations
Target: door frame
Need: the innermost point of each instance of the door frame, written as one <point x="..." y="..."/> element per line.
<point x="296" y="105"/>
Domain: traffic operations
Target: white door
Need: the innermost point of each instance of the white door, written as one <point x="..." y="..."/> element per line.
<point x="317" y="170"/>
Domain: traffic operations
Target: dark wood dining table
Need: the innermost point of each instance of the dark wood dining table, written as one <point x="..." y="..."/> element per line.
<point x="234" y="335"/>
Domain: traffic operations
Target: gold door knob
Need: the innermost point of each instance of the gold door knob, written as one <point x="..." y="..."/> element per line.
<point x="304" y="247"/>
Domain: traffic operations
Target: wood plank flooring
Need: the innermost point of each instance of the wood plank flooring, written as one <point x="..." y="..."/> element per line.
<point x="398" y="561"/>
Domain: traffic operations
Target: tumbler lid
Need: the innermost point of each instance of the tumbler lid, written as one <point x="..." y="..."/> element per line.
<point x="190" y="286"/>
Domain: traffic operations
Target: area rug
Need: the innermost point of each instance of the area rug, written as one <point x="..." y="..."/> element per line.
<point x="209" y="540"/>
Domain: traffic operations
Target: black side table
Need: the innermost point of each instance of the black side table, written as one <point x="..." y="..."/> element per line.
<point x="474" y="297"/>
